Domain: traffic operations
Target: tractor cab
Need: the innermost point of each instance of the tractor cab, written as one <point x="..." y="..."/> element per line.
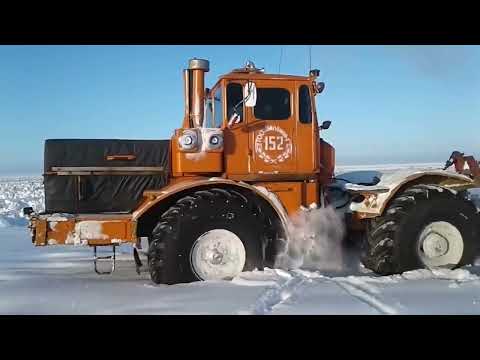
<point x="266" y="124"/>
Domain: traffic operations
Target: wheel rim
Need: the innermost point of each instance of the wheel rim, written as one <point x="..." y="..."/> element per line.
<point x="217" y="254"/>
<point x="440" y="245"/>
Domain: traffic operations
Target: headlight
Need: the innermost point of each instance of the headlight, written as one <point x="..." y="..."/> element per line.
<point x="215" y="141"/>
<point x="189" y="140"/>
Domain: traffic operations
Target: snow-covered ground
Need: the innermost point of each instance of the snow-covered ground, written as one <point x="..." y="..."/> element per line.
<point x="61" y="280"/>
<point x="17" y="193"/>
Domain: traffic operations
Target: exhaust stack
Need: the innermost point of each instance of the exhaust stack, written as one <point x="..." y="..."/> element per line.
<point x="194" y="78"/>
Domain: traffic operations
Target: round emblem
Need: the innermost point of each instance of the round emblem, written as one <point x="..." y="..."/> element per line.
<point x="273" y="145"/>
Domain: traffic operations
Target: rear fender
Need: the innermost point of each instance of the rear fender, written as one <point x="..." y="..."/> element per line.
<point x="377" y="197"/>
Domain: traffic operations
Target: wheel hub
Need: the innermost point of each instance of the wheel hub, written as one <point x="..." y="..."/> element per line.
<point x="440" y="245"/>
<point x="217" y="254"/>
<point x="215" y="257"/>
<point x="435" y="245"/>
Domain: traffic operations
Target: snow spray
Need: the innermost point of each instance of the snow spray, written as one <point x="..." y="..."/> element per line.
<point x="316" y="241"/>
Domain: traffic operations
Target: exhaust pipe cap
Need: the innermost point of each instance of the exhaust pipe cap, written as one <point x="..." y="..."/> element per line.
<point x="199" y="64"/>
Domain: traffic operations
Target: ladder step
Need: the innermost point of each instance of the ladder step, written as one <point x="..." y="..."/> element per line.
<point x="109" y="257"/>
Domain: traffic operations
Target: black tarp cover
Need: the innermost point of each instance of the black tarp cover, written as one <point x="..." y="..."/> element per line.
<point x="101" y="193"/>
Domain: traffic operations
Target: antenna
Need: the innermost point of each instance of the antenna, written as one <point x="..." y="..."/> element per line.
<point x="310" y="57"/>
<point x="280" y="61"/>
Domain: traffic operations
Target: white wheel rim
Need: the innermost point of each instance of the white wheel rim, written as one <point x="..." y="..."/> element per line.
<point x="217" y="254"/>
<point x="440" y="245"/>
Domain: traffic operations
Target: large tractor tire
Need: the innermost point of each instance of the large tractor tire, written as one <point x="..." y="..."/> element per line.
<point x="425" y="226"/>
<point x="208" y="235"/>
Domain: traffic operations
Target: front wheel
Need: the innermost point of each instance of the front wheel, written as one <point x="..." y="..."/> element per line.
<point x="209" y="235"/>
<point x="425" y="226"/>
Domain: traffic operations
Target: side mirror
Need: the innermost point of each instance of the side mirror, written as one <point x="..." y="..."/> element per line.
<point x="325" y="125"/>
<point x="320" y="87"/>
<point x="250" y="94"/>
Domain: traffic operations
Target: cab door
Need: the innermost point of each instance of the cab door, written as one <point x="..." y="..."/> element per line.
<point x="236" y="133"/>
<point x="307" y="134"/>
<point x="272" y="128"/>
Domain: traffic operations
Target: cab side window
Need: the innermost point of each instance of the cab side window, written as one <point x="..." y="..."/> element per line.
<point x="304" y="105"/>
<point x="208" y="121"/>
<point x="235" y="101"/>
<point x="218" y="108"/>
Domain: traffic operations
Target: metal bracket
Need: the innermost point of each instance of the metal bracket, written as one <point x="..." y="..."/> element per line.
<point x="109" y="257"/>
<point x="459" y="159"/>
<point x="138" y="262"/>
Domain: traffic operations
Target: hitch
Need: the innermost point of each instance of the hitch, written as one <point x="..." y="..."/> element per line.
<point x="27" y="211"/>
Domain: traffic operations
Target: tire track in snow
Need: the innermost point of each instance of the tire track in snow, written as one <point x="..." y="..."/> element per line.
<point x="278" y="294"/>
<point x="353" y="286"/>
<point x="366" y="293"/>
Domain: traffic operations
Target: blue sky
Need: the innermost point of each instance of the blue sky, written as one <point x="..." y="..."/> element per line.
<point x="387" y="104"/>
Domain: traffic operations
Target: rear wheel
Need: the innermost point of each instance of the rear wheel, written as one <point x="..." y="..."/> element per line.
<point x="425" y="226"/>
<point x="209" y="235"/>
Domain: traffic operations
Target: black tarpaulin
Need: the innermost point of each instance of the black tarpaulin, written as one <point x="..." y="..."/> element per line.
<point x="102" y="193"/>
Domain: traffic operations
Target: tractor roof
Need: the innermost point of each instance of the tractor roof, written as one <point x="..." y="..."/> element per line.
<point x="250" y="72"/>
<point x="247" y="75"/>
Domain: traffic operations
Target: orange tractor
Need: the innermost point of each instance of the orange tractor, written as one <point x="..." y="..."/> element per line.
<point x="218" y="197"/>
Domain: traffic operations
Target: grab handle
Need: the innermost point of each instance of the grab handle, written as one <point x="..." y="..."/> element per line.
<point x="121" y="157"/>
